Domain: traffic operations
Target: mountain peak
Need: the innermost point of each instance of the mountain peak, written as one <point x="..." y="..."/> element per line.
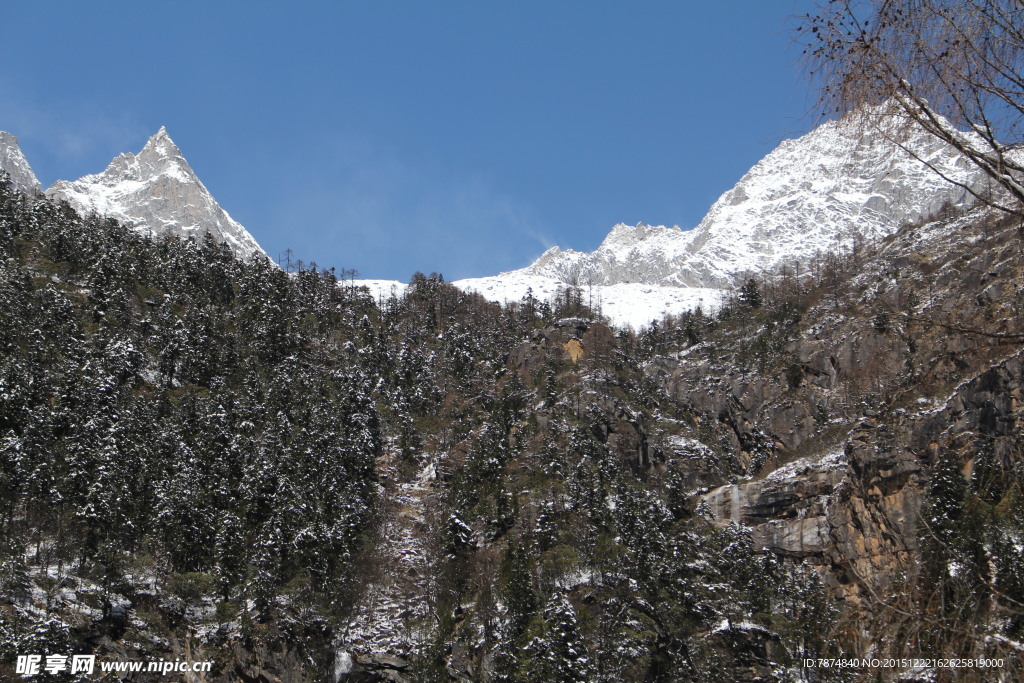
<point x="846" y="177"/>
<point x="161" y="137"/>
<point x="14" y="163"/>
<point x="160" y="145"/>
<point x="156" y="191"/>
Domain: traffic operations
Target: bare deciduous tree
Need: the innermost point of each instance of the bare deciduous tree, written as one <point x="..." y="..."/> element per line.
<point x="951" y="67"/>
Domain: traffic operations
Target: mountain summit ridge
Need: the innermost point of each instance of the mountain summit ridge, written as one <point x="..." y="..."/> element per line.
<point x="843" y="179"/>
<point x="156" y="190"/>
<point x="848" y="179"/>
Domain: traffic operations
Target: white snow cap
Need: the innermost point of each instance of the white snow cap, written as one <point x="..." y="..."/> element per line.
<point x="810" y="194"/>
<point x="843" y="178"/>
<point x="156" y="191"/>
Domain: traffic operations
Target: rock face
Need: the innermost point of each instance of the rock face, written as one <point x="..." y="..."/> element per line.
<point x="14" y="163"/>
<point x="843" y="178"/>
<point x="836" y="453"/>
<point x="851" y="512"/>
<point x="787" y="508"/>
<point x="854" y="512"/>
<point x="156" y="191"/>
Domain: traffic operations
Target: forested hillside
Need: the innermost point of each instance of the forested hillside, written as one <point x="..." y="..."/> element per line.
<point x="214" y="459"/>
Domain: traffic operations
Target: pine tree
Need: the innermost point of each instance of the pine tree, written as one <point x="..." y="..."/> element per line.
<point x="562" y="648"/>
<point x="517" y="587"/>
<point x="750" y="294"/>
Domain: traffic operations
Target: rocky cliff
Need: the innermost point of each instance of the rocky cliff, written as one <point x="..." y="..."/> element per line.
<point x="845" y="416"/>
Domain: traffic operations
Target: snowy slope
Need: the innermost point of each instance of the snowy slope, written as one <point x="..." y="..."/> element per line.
<point x="156" y="191"/>
<point x="14" y="163"/>
<point x="633" y="304"/>
<point x="822" y="189"/>
<point x="381" y="290"/>
<point x="625" y="304"/>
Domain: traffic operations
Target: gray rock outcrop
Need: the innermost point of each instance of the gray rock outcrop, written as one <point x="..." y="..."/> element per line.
<point x="13" y="162"/>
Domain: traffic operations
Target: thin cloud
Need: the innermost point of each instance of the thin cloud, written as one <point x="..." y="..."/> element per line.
<point x="389" y="216"/>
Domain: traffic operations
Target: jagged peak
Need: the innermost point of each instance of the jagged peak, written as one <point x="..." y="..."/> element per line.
<point x="161" y="144"/>
<point x="156" y="190"/>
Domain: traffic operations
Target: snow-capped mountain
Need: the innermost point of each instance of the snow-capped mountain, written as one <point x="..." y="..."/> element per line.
<point x="156" y="191"/>
<point x="843" y="178"/>
<point x="14" y="163"/>
<point x="849" y="177"/>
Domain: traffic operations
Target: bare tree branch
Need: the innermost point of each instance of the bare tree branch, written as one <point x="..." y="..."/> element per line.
<point x="953" y="68"/>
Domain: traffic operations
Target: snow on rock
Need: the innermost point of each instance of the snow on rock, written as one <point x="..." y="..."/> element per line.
<point x="156" y="191"/>
<point x="727" y="624"/>
<point x="832" y="459"/>
<point x="787" y="509"/>
<point x="23" y="178"/>
<point x="688" y="447"/>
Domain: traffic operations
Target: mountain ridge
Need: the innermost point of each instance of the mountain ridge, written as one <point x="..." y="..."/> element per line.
<point x="856" y="178"/>
<point x="844" y="178"/>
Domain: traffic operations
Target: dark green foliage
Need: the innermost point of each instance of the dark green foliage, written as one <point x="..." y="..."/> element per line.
<point x="881" y="322"/>
<point x="561" y="652"/>
<point x="171" y="412"/>
<point x="750" y="294"/>
<point x="517" y="588"/>
<point x="162" y="399"/>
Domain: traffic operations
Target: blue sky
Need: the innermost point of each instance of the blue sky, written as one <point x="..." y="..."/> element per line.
<point x="390" y="137"/>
